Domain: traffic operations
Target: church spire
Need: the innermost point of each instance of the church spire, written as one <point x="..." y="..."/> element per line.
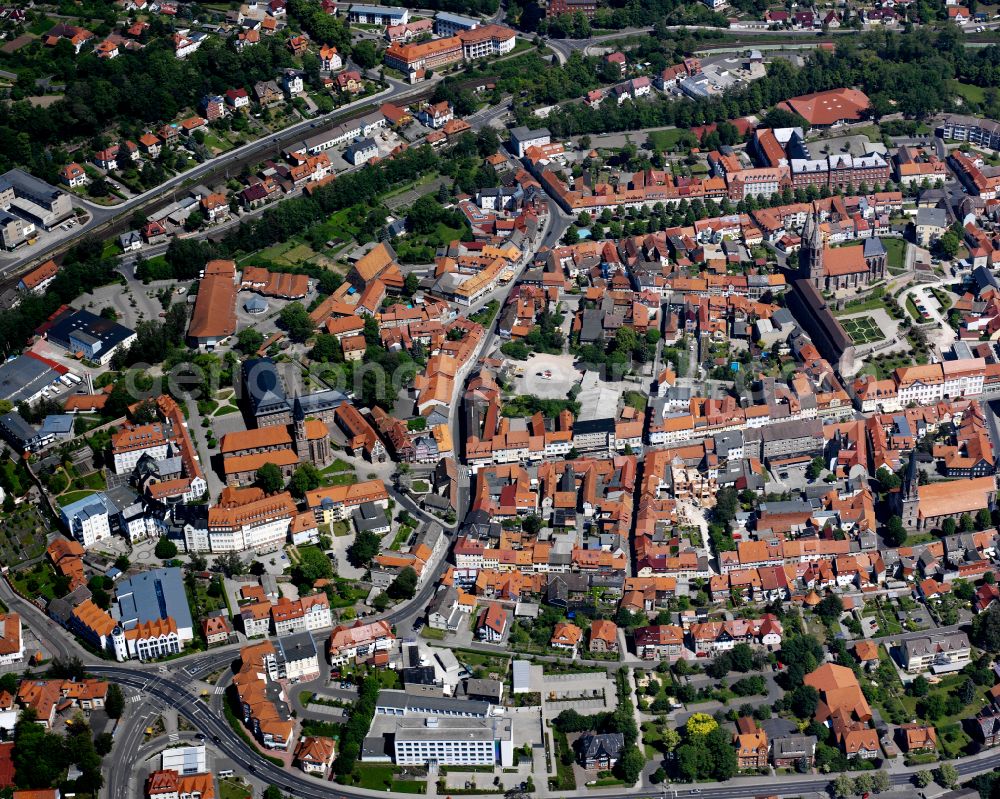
<point x="811" y="250"/>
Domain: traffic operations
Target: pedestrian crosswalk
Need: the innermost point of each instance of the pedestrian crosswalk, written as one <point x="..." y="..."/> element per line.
<point x="134" y="699"/>
<point x="174" y="736"/>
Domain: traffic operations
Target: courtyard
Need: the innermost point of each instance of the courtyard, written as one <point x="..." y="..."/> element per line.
<point x="863" y="329"/>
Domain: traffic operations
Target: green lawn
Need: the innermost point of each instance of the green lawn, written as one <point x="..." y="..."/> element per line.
<point x="565" y="779"/>
<point x="409" y="786"/>
<point x="952" y="737"/>
<point x="432" y="634"/>
<point x="73" y="496"/>
<point x="521" y="45"/>
<point x="376" y="776"/>
<point x="636" y="399"/>
<point x="871" y="131"/>
<point x="338" y="473"/>
<point x="420" y="486"/>
<point x="669" y="139"/>
<point x="38" y="581"/>
<point x="289" y="253"/>
<point x="41" y="25"/>
<point x="970" y="93"/>
<point x="423" y="180"/>
<point x="217" y="144"/>
<point x="446" y="234"/>
<point x="388" y="679"/>
<point x="157" y="262"/>
<point x="895" y="253"/>
<point x="338" y="226"/>
<point x="859" y="306"/>
<point x="471" y="658"/>
<point x="400" y="538"/>
<point x="94" y="480"/>
<point x="233" y="789"/>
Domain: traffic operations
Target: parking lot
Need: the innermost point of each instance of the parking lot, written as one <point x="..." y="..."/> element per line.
<point x="547" y="376"/>
<point x="46" y="238"/>
<point x="585" y="692"/>
<point x="133" y="302"/>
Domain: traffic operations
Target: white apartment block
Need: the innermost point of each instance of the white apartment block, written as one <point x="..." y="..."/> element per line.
<point x="259" y="535"/>
<point x="253" y="624"/>
<point x="302" y="615"/>
<point x="454" y="741"/>
<point x="87" y="520"/>
<point x="127" y="458"/>
<point x="485" y="42"/>
<point x="145" y="644"/>
<point x="942" y="652"/>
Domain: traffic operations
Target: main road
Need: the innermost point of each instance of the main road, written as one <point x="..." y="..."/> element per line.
<point x="175" y="693"/>
<point x="101" y="215"/>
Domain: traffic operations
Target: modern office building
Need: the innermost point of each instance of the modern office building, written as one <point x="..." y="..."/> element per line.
<point x="88" y="520"/>
<point x="97" y="339"/>
<point x="25" y="196"/>
<point x="448" y="24"/>
<point x="15" y="231"/>
<point x="153" y="615"/>
<point x="447" y="741"/>
<point x="378" y="15"/>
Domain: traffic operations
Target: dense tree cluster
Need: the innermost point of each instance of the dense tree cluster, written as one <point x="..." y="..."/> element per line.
<point x="801" y="655"/>
<point x="404" y="586"/>
<point x="322" y="27"/>
<point x="427" y="213"/>
<point x="707" y="752"/>
<point x="528" y="405"/>
<point x="155" y="339"/>
<point x="986" y="629"/>
<point x="901" y="72"/>
<point x="365" y="547"/>
<point x="42" y="757"/>
<point x="299" y="215"/>
<point x="313" y="565"/>
<point x="356" y="728"/>
<point x="135" y="91"/>
<point x="740" y="658"/>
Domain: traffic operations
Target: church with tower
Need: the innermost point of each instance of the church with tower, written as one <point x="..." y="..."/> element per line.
<point x="306" y="440"/>
<point x="833" y="269"/>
